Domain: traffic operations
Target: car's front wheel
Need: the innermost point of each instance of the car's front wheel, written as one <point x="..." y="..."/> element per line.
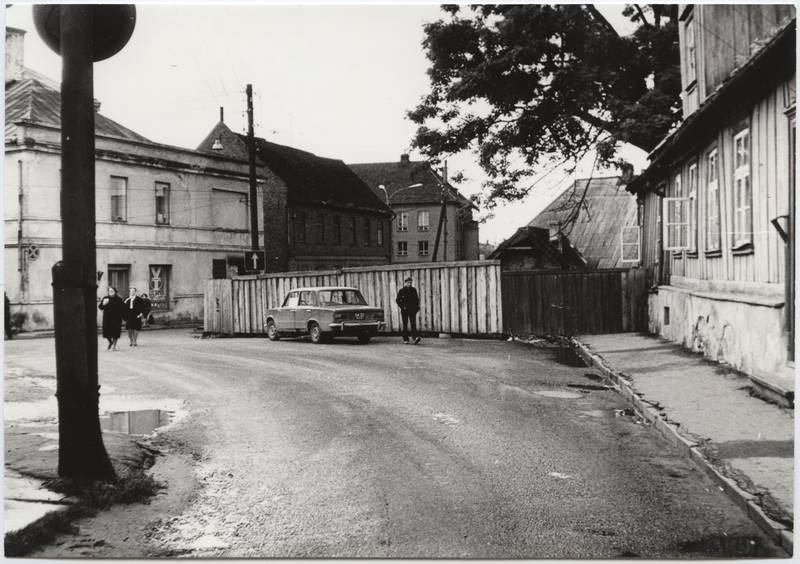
<point x="272" y="331"/>
<point x="316" y="333"/>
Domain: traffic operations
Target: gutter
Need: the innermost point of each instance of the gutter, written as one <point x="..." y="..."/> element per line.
<point x="20" y="257"/>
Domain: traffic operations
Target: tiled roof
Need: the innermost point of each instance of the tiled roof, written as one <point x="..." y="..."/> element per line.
<point x="310" y="179"/>
<point x="596" y="232"/>
<point x="37" y="99"/>
<point x="537" y="240"/>
<point x="397" y="176"/>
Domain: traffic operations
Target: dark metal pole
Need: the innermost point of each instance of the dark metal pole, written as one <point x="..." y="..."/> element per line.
<point x="82" y="454"/>
<point x="442" y="217"/>
<point x="251" y="146"/>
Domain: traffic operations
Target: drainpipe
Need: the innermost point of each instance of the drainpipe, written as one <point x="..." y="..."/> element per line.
<point x="20" y="257"/>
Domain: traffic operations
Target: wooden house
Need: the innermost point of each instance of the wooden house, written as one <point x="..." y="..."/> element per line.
<point x="533" y="248"/>
<point x="598" y="217"/>
<point x="717" y="200"/>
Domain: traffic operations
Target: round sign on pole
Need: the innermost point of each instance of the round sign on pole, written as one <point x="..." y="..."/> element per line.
<point x="112" y="27"/>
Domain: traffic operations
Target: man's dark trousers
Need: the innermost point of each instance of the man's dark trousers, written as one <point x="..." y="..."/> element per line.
<point x="412" y="318"/>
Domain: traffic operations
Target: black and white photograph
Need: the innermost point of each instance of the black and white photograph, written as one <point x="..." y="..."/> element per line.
<point x="399" y="281"/>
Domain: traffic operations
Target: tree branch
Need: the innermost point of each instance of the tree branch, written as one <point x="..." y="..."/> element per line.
<point x="641" y="15"/>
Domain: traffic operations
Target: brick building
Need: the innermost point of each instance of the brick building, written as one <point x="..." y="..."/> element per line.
<point x="318" y="214"/>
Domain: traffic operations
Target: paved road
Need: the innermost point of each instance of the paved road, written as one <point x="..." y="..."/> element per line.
<point x="453" y="448"/>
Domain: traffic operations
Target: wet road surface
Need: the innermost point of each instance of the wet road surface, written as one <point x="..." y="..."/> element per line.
<point x="450" y="449"/>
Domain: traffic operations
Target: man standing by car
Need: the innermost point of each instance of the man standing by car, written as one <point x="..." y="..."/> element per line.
<point x="408" y="301"/>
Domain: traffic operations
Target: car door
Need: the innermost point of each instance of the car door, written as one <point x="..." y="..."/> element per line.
<point x="305" y="310"/>
<point x="284" y="315"/>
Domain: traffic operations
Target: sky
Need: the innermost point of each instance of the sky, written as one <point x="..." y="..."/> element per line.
<point x="335" y="80"/>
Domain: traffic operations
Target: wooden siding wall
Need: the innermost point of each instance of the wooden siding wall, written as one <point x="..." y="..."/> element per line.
<point x="574" y="302"/>
<point x="456" y="297"/>
<point x="770" y="179"/>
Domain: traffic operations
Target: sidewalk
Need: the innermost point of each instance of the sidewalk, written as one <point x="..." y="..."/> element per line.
<point x="745" y="443"/>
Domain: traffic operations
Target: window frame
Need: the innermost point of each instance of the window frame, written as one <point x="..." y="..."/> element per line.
<point x="693" y="180"/>
<point x="299" y="227"/>
<point x="319" y="232"/>
<point x="742" y="198"/>
<point x="402" y="221"/>
<point x="402" y="248"/>
<point x="337" y="229"/>
<point x="379" y="234"/>
<point x="681" y="222"/>
<point x="426" y="226"/>
<point x="124" y="199"/>
<point x="423" y="248"/>
<point x="713" y="203"/>
<point x="167" y="194"/>
<point x="353" y="232"/>
<point x="367" y="232"/>
<point x="624" y="245"/>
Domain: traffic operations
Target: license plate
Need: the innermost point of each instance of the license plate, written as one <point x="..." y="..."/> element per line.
<point x="359" y="316"/>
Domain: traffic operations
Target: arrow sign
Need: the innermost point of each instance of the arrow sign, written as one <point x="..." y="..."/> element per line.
<point x="254" y="261"/>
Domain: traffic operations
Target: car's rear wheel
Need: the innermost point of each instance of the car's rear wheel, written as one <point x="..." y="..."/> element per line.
<point x="316" y="333"/>
<point x="364" y="338"/>
<point x="272" y="331"/>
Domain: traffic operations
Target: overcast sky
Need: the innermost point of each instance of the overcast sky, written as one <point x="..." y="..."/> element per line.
<point x="333" y="80"/>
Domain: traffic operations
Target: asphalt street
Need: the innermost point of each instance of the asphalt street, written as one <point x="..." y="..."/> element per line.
<point x="450" y="449"/>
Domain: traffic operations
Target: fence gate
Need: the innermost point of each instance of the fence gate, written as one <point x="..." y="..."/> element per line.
<point x="574" y="302"/>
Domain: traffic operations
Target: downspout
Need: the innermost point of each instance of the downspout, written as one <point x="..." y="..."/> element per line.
<point x="20" y="257"/>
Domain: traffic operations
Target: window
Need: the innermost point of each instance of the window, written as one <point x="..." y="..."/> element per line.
<point x="742" y="191"/>
<point x="379" y="237"/>
<point x="422" y="248"/>
<point x="299" y="227"/>
<point x="402" y="249"/>
<point x="119" y="198"/>
<point x="676" y="218"/>
<point x="337" y="230"/>
<point x="291" y="299"/>
<point x="423" y="220"/>
<point x="307" y="299"/>
<point x="691" y="53"/>
<point x="402" y="221"/>
<point x="162" y="203"/>
<point x="352" y="231"/>
<point x="630" y="239"/>
<point x="119" y="278"/>
<point x="713" y="234"/>
<point x="320" y="228"/>
<point x="367" y="232"/>
<point x="692" y="242"/>
<point x="159" y="286"/>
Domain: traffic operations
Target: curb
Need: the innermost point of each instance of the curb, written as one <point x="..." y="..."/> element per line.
<point x="781" y="534"/>
<point x="24" y="335"/>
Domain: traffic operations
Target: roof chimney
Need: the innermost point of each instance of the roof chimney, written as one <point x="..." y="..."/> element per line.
<point x="404" y="159"/>
<point x="221" y="114"/>
<point x="15" y="53"/>
<point x="96" y="105"/>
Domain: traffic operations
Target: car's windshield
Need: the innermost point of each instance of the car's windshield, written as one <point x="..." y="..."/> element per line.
<point x="341" y="297"/>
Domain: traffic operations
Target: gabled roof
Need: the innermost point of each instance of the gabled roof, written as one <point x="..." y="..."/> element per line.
<point x="537" y="240"/>
<point x="310" y="179"/>
<point x="397" y="176"/>
<point x="606" y="208"/>
<point x="37" y="99"/>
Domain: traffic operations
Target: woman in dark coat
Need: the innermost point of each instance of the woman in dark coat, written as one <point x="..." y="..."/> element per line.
<point x="113" y="312"/>
<point x="134" y="311"/>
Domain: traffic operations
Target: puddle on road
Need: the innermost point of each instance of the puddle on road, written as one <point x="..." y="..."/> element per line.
<point x="559" y="394"/>
<point x="140" y="422"/>
<point x="727" y="546"/>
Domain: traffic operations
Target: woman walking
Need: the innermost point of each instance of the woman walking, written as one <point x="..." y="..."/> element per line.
<point x="134" y="311"/>
<point x="113" y="311"/>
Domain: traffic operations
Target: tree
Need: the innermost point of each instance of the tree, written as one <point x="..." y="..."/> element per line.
<point x="527" y="85"/>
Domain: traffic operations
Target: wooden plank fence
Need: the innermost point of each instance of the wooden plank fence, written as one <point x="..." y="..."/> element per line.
<point x="574" y="302"/>
<point x="460" y="298"/>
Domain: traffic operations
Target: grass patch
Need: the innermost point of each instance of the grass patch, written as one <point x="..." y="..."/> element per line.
<point x="134" y="486"/>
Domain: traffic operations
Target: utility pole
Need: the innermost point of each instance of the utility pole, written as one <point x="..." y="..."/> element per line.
<point x="442" y="218"/>
<point x="251" y="148"/>
<point x="81" y="34"/>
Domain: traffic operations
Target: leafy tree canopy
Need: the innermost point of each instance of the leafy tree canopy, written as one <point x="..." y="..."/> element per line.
<point x="530" y="84"/>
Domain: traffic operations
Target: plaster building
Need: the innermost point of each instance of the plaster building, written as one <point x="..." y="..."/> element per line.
<point x="318" y="213"/>
<point x="718" y="208"/>
<point x="164" y="214"/>
<point x="414" y="191"/>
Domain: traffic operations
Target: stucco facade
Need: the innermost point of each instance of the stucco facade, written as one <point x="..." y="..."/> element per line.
<point x="202" y="217"/>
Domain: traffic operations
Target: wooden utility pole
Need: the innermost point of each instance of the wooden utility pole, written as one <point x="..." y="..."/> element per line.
<point x="442" y="218"/>
<point x="82" y="454"/>
<point x="251" y="148"/>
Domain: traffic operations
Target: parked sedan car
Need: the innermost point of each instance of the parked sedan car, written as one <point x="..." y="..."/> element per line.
<point x="323" y="313"/>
